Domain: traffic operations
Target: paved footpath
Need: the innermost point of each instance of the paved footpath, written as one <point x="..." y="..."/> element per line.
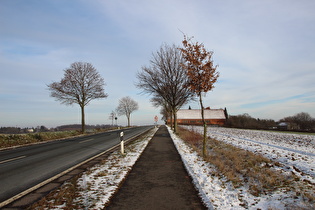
<point x="158" y="180"/>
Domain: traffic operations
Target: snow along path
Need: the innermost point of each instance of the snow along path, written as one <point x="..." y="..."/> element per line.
<point x="217" y="193"/>
<point x="101" y="182"/>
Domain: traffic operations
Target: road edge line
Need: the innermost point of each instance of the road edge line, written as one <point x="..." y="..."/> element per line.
<point x="25" y="192"/>
<point x="10" y="200"/>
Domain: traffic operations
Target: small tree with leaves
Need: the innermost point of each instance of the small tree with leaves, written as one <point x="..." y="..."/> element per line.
<point x="126" y="106"/>
<point x="81" y="84"/>
<point x="201" y="72"/>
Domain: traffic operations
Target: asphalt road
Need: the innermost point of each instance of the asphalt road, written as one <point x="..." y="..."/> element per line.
<point x="25" y="167"/>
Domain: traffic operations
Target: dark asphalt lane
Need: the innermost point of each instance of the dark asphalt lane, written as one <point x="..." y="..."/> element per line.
<point x="25" y="167"/>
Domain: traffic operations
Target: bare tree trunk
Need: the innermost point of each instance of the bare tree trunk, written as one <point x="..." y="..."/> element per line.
<point x="171" y="119"/>
<point x="204" y="146"/>
<point x="82" y="119"/>
<point x="175" y="121"/>
<point x="128" y="118"/>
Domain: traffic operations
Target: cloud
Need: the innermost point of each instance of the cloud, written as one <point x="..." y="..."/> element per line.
<point x="265" y="51"/>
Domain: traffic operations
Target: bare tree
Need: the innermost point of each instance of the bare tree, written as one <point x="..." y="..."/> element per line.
<point x="304" y="120"/>
<point x="126" y="106"/>
<point x="166" y="80"/>
<point x="112" y="117"/>
<point x="201" y="72"/>
<point x="81" y="84"/>
<point x="166" y="111"/>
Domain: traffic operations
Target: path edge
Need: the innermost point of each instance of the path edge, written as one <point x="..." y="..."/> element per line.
<point x="191" y="173"/>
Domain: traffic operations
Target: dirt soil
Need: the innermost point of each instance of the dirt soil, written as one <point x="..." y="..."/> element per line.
<point x="158" y="180"/>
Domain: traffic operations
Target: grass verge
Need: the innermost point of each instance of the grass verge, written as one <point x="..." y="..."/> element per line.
<point x="244" y="168"/>
<point x="63" y="196"/>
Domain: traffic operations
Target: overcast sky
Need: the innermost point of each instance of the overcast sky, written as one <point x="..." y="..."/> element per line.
<point x="265" y="51"/>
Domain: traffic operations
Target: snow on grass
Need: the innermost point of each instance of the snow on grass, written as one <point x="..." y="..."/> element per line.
<point x="295" y="151"/>
<point x="218" y="193"/>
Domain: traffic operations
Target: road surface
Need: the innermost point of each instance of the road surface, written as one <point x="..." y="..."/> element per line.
<point x="25" y="167"/>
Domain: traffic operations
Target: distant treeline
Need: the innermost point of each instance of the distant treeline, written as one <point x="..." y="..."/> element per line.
<point x="78" y="127"/>
<point x="298" y="122"/>
<point x="17" y="130"/>
<point x="10" y="130"/>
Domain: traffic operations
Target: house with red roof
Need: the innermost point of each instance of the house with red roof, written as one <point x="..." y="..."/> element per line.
<point x="193" y="116"/>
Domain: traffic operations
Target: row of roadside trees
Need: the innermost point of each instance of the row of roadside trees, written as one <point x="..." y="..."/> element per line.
<point x="177" y="75"/>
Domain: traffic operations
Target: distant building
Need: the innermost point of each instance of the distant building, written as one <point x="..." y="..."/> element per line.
<point x="30" y="130"/>
<point x="193" y="116"/>
<point x="288" y="126"/>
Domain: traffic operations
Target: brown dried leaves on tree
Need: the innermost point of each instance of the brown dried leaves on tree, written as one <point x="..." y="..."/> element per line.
<point x="201" y="74"/>
<point x="200" y="68"/>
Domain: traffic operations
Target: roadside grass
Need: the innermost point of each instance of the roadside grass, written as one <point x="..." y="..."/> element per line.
<point x="244" y="168"/>
<point x="63" y="196"/>
<point x="12" y="140"/>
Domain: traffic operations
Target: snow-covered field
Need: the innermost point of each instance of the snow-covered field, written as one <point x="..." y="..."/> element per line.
<point x="295" y="152"/>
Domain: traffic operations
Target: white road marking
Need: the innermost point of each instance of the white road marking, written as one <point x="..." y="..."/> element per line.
<point x="86" y="140"/>
<point x="4" y="161"/>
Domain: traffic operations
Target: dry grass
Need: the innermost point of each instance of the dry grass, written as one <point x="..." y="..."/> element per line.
<point x="66" y="195"/>
<point x="243" y="167"/>
<point x="240" y="165"/>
